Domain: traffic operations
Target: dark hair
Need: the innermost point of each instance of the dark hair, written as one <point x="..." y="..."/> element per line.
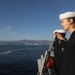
<point x="73" y="19"/>
<point x="63" y="34"/>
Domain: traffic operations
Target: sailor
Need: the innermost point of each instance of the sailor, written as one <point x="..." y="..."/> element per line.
<point x="68" y="23"/>
<point x="55" y="49"/>
<point x="55" y="43"/>
<point x="60" y="55"/>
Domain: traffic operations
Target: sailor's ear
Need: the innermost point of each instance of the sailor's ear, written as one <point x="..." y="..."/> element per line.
<point x="71" y="20"/>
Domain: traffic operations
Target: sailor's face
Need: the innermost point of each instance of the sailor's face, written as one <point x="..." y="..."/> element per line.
<point x="65" y="24"/>
<point x="58" y="35"/>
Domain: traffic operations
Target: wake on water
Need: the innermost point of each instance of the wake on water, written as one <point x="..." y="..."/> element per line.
<point x="7" y="52"/>
<point x="20" y="60"/>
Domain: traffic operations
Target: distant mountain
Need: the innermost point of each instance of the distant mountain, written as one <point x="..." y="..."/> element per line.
<point x="26" y="42"/>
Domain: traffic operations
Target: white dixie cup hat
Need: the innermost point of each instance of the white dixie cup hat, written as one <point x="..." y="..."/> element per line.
<point x="66" y="15"/>
<point x="61" y="31"/>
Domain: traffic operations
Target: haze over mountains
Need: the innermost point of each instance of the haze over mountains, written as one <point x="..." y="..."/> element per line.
<point x="26" y="42"/>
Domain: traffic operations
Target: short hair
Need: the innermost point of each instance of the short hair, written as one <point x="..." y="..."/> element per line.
<point x="73" y="19"/>
<point x="62" y="34"/>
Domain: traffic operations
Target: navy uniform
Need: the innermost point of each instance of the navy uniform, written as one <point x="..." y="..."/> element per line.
<point x="59" y="46"/>
<point x="55" y="45"/>
<point x="55" y="48"/>
<point x="60" y="55"/>
<point x="69" y="54"/>
<point x="69" y="60"/>
<point x="61" y="50"/>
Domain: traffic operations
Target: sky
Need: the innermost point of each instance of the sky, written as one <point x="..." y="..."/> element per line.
<point x="31" y="19"/>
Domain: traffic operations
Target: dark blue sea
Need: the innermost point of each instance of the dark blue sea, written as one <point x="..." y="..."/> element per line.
<point x="21" y="59"/>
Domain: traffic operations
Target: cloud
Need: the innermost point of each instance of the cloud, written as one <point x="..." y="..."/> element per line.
<point x="6" y="29"/>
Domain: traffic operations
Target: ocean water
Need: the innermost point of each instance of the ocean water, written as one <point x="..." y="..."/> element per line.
<point x="21" y="59"/>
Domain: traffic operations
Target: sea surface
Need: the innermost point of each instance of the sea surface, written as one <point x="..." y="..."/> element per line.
<point x="20" y="59"/>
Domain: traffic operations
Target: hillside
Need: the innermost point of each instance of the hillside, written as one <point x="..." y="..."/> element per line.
<point x="26" y="42"/>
